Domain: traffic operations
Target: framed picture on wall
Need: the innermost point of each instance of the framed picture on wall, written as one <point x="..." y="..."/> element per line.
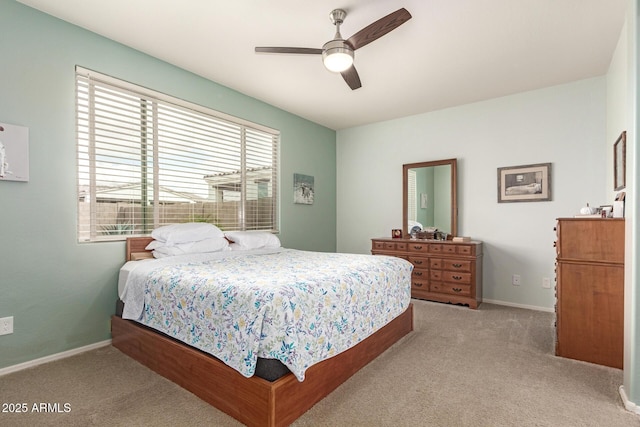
<point x="14" y="152"/>
<point x="620" y="162"/>
<point x="527" y="183"/>
<point x="303" y="189"/>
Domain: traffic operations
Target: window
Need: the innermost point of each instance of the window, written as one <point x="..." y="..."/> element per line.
<point x="146" y="159"/>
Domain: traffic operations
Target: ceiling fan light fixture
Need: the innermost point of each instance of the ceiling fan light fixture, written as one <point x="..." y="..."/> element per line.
<point x="337" y="56"/>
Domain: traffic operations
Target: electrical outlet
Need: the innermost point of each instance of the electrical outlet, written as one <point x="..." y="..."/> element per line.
<point x="6" y="325"/>
<point x="546" y="283"/>
<point x="515" y="280"/>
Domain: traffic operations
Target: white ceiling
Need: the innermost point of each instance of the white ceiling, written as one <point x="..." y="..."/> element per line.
<point x="452" y="52"/>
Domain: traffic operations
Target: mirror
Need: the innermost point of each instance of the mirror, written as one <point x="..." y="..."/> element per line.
<point x="429" y="196"/>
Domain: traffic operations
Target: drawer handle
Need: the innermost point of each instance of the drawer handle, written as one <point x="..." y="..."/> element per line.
<point x="457" y="277"/>
<point x="417" y="273"/>
<point x="457" y="289"/>
<point x="418" y="262"/>
<point x="457" y="265"/>
<point x="417" y="247"/>
<point x="417" y="285"/>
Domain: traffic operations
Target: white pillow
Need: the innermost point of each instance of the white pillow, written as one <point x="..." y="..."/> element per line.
<point x="252" y="239"/>
<point x="209" y="245"/>
<point x="186" y="232"/>
<point x="216" y="244"/>
<point x="155" y="244"/>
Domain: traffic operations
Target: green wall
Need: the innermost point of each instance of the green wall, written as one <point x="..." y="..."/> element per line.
<point x="62" y="293"/>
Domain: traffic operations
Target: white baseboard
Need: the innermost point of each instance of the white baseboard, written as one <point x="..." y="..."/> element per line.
<point x="628" y="405"/>
<point x="51" y="358"/>
<point x="511" y="304"/>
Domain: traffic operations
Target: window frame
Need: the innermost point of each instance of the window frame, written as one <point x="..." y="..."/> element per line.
<point x="249" y="133"/>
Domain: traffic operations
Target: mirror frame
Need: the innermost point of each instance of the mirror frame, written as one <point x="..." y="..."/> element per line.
<point x="454" y="197"/>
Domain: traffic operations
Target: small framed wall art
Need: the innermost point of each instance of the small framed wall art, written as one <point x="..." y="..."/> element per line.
<point x="303" y="189"/>
<point x="527" y="183"/>
<point x="620" y="162"/>
<point x="14" y="152"/>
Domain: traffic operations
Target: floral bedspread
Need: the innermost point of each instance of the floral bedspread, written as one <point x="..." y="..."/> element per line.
<point x="295" y="306"/>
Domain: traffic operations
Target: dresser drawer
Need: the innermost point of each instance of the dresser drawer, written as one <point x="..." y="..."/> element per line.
<point x="418" y="247"/>
<point x="450" y="276"/>
<point x="449" y="249"/>
<point x="464" y="249"/>
<point x="450" y="288"/>
<point x="456" y="277"/>
<point x="435" y="248"/>
<point x="453" y="249"/>
<point x="450" y="264"/>
<point x="389" y="246"/>
<point x="422" y="285"/>
<point x="455" y="265"/>
<point x="419" y="262"/>
<point x="420" y="274"/>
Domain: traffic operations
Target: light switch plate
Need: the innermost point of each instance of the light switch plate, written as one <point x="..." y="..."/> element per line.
<point x="6" y="325"/>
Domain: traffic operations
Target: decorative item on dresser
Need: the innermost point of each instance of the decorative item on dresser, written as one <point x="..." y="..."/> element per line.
<point x="590" y="290"/>
<point x="444" y="271"/>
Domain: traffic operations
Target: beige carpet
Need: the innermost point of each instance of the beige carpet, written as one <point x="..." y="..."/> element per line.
<point x="488" y="367"/>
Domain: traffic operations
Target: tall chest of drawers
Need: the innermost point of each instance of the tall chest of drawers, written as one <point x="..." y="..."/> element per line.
<point x="590" y="290"/>
<point x="443" y="271"/>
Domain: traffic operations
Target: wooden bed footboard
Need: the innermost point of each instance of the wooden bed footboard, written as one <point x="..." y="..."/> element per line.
<point x="252" y="401"/>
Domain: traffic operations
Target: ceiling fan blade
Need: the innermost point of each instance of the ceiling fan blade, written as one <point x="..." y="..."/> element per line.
<point x="352" y="78"/>
<point x="299" y="50"/>
<point x="379" y="28"/>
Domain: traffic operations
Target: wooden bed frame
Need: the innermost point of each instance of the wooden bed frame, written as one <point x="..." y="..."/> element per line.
<point x="252" y="401"/>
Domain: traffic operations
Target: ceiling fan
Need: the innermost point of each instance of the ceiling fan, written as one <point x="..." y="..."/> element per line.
<point x="337" y="54"/>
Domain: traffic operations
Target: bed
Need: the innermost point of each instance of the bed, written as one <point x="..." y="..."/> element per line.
<point x="252" y="400"/>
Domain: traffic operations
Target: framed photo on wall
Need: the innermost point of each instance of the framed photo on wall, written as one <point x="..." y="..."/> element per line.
<point x="620" y="162"/>
<point x="527" y="183"/>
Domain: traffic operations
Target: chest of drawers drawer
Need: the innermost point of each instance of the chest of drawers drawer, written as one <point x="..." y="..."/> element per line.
<point x="450" y="264"/>
<point x="450" y="288"/>
<point x="419" y="273"/>
<point x="418" y="247"/>
<point x="450" y="276"/>
<point x="420" y="285"/>
<point x="389" y="246"/>
<point x="419" y="262"/>
<point x="450" y="249"/>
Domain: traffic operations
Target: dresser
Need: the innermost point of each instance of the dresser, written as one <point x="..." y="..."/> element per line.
<point x="590" y="290"/>
<point x="443" y="271"/>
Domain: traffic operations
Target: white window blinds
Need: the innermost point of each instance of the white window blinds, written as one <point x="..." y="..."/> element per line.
<point x="412" y="196"/>
<point x="146" y="159"/>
